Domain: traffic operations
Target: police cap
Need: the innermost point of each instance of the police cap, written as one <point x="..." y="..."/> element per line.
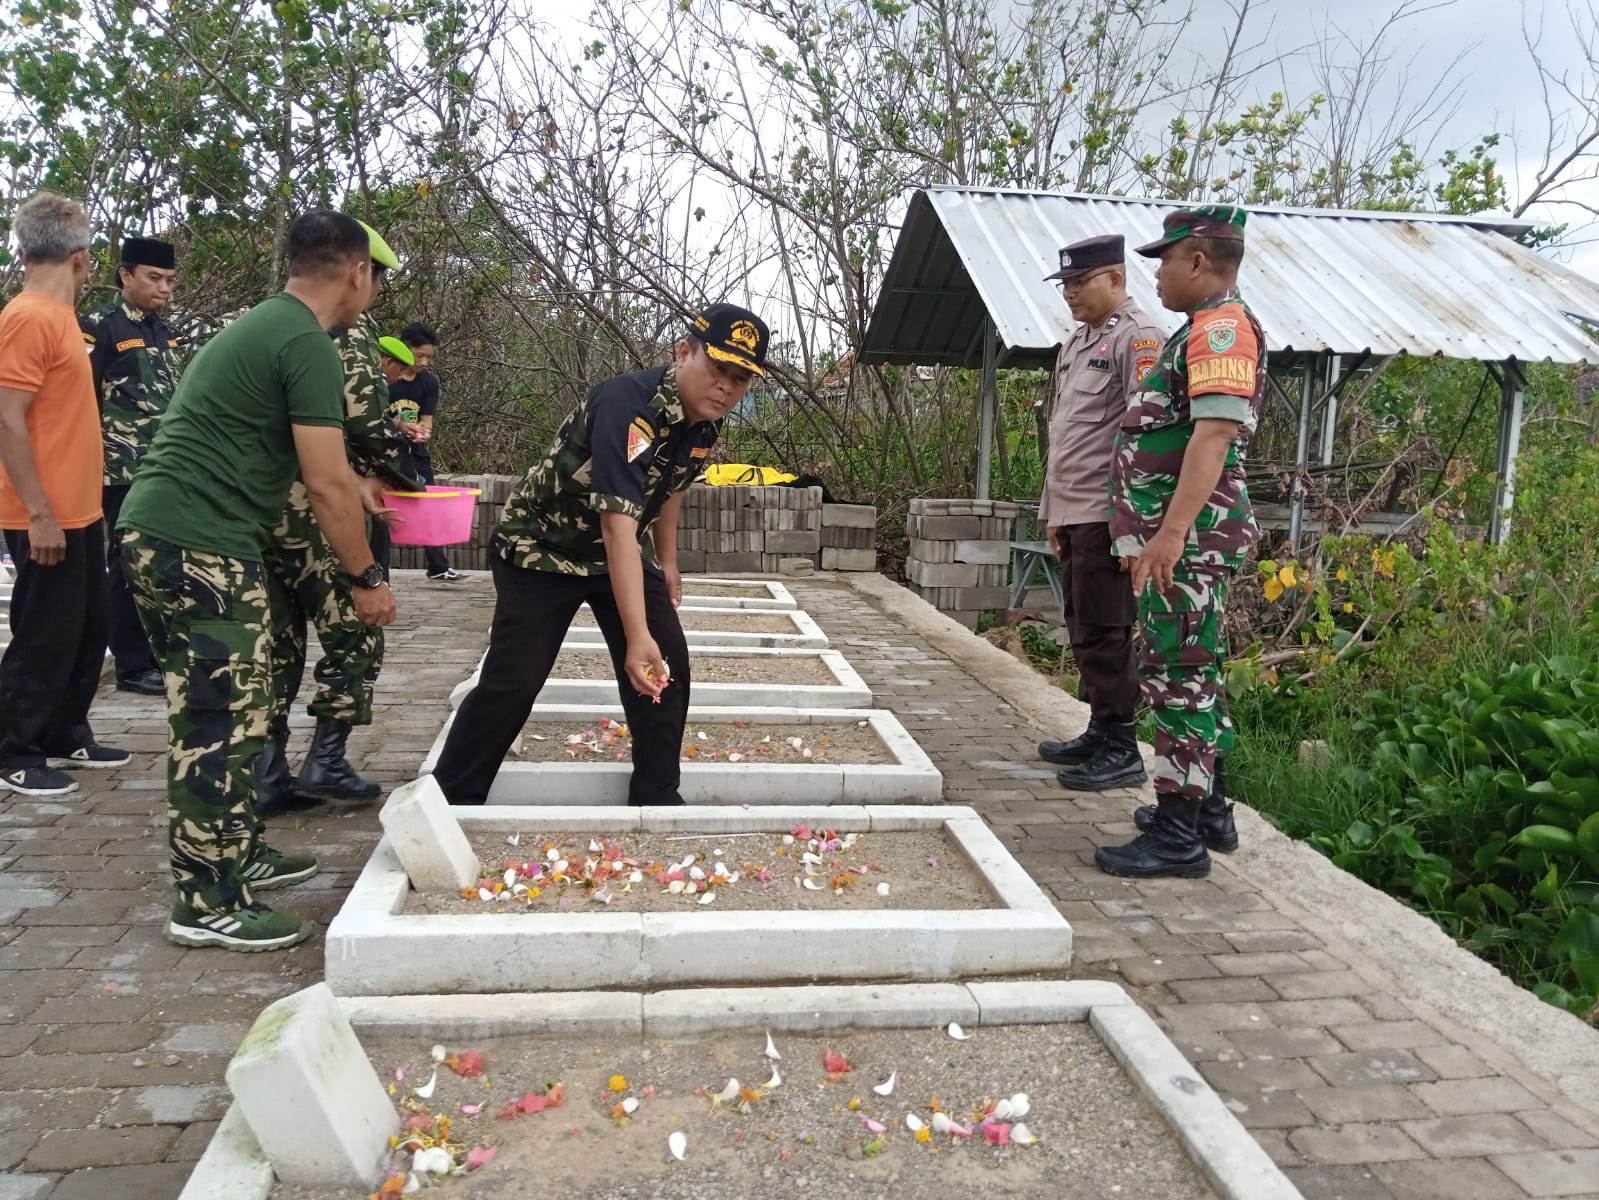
<point x="1090" y="254"/>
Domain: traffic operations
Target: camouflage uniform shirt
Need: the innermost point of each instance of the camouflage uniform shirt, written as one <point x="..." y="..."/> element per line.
<point x="627" y="449"/>
<point x="134" y="358"/>
<point x="1213" y="367"/>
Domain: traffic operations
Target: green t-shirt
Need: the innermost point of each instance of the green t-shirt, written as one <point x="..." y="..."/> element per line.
<point x="218" y="474"/>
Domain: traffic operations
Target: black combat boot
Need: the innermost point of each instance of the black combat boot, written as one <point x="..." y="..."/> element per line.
<point x="1171" y="847"/>
<point x="327" y="775"/>
<point x="1215" y="815"/>
<point x="1079" y="750"/>
<point x="274" y="785"/>
<point x="1116" y="763"/>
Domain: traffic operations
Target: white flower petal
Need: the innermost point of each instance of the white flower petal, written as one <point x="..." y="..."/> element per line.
<point x="1020" y="1105"/>
<point x="595" y="845"/>
<point x="886" y="1088"/>
<point x="729" y="1092"/>
<point x="561" y="864"/>
<point x="775" y="1081"/>
<point x="771" y="1048"/>
<point x="510" y="876"/>
<point x="1002" y="1111"/>
<point x="882" y="889"/>
<point x="630" y="1105"/>
<point x="956" y="1032"/>
<point x="812" y="885"/>
<point x="552" y="854"/>
<point x="675" y="887"/>
<point x="913" y="1122"/>
<point x="484" y="894"/>
<point x="636" y="877"/>
<point x="696" y="873"/>
<point x="1022" y="1135"/>
<point x="435" y="1160"/>
<point x="708" y="897"/>
<point x="514" y="840"/>
<point x="425" y="1092"/>
<point x="439" y="1053"/>
<point x="678" y="1145"/>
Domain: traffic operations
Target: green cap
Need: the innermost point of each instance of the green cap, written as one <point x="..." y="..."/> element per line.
<point x="381" y="253"/>
<point x="1222" y="221"/>
<point x="396" y="349"/>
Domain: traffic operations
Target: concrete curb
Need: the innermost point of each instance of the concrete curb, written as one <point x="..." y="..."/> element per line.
<point x="373" y="948"/>
<point x="911" y="777"/>
<point x="1541" y="1045"/>
<point x="1219" y="1146"/>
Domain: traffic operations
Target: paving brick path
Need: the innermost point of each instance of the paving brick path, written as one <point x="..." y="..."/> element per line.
<point x="113" y="1043"/>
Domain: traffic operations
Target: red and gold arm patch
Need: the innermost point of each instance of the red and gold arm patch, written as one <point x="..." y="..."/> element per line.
<point x="1223" y="353"/>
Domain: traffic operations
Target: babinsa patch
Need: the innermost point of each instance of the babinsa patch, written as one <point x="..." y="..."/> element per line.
<point x="1221" y="340"/>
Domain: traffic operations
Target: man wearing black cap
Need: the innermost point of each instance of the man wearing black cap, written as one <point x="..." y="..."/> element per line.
<point x="1099" y="366"/>
<point x="596" y="521"/>
<point x="134" y="358"/>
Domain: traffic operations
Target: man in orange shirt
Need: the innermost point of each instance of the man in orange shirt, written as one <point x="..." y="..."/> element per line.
<point x="51" y="463"/>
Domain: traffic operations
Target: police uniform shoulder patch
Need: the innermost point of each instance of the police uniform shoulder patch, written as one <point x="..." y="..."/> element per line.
<point x="638" y="442"/>
<point x="1146" y="344"/>
<point x="699" y="451"/>
<point x="1115" y="320"/>
<point x="1145" y="364"/>
<point x="130" y="344"/>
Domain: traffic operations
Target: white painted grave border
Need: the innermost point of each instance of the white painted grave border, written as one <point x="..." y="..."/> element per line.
<point x="911" y="778"/>
<point x="777" y="596"/>
<point x="807" y="633"/>
<point x="374" y="948"/>
<point x="234" y="1168"/>
<point x="850" y="690"/>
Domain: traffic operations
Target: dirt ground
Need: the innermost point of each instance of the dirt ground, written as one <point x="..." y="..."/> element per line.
<point x="741" y="871"/>
<point x="803" y="1136"/>
<point x="727" y="620"/>
<point x="562" y="741"/>
<point x="799" y="669"/>
<point x="735" y="591"/>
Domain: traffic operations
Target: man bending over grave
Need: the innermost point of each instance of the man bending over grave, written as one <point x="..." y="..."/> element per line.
<point x="596" y="522"/>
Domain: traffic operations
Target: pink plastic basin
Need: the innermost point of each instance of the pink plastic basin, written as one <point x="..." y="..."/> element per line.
<point x="441" y="516"/>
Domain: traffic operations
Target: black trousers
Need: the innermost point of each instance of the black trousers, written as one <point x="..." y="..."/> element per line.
<point x="58" y="634"/>
<point x="381" y="543"/>
<point x="130" y="645"/>
<point x="1100" y="612"/>
<point x="532" y="611"/>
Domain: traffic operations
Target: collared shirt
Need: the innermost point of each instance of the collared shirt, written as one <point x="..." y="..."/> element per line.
<point x="133" y="355"/>
<point x="1095" y="372"/>
<point x="1214" y="367"/>
<point x="626" y="449"/>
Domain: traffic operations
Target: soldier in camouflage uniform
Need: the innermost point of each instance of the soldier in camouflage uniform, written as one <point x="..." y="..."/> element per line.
<point x="596" y="522"/>
<point x="259" y="404"/>
<point x="305" y="583"/>
<point x="134" y="357"/>
<point x="1182" y="520"/>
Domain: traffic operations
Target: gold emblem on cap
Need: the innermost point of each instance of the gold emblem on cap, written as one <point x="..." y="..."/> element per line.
<point x="745" y="336"/>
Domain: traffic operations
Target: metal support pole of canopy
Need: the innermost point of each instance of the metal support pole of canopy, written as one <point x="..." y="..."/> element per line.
<point x="1329" y="415"/>
<point x="1307" y="401"/>
<point x="987" y="403"/>
<point x="1511" y="393"/>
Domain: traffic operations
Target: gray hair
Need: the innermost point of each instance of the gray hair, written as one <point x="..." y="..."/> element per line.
<point x="50" y="228"/>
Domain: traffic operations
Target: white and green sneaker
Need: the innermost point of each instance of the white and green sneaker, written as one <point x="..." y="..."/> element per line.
<point x="270" y="868"/>
<point x="249" y="928"/>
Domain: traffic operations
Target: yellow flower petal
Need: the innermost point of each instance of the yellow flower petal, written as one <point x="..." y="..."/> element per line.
<point x="1274" y="588"/>
<point x="1286" y="576"/>
<point x="1343" y="575"/>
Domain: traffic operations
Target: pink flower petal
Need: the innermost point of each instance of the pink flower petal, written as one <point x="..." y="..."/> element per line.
<point x="996" y="1133"/>
<point x="471" y="1110"/>
<point x="480" y="1156"/>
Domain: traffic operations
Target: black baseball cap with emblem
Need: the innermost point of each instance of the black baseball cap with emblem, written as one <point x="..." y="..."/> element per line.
<point x="149" y="252"/>
<point x="733" y="335"/>
<point x="1090" y="254"/>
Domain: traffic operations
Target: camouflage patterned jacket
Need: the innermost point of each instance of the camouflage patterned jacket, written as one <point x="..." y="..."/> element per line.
<point x="134" y="358"/>
<point x="1213" y="367"/>
<point x="627" y="449"/>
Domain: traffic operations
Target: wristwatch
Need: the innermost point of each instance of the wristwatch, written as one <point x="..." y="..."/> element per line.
<point x="370" y="578"/>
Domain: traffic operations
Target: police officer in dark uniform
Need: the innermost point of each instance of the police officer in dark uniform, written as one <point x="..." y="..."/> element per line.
<point x="1114" y="346"/>
<point x="596" y="522"/>
<point x="133" y="354"/>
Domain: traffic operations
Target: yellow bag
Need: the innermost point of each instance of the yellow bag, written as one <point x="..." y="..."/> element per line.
<point x="731" y="474"/>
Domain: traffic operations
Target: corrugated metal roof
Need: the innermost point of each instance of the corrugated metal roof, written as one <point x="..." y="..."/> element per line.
<point x="1319" y="279"/>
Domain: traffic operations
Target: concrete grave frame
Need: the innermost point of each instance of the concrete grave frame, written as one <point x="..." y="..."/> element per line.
<point x="850" y="690"/>
<point x="234" y="1167"/>
<point x="911" y="778"/>
<point x="373" y="948"/>
<point x="807" y="633"/>
<point x="776" y="598"/>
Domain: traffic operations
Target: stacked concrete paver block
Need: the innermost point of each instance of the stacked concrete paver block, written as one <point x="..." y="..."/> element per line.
<point x="959" y="559"/>
<point x="723" y="530"/>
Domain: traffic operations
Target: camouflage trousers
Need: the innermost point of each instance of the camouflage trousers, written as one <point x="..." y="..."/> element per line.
<point x="307" y="583"/>
<point x="206" y="616"/>
<point x="1181" y="676"/>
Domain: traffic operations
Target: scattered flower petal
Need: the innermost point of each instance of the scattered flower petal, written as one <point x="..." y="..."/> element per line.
<point x="617" y="1083"/>
<point x="514" y="840"/>
<point x="942" y="1123"/>
<point x="1020" y="1104"/>
<point x="874" y="1126"/>
<point x="771" y="1048"/>
<point x="467" y="1064"/>
<point x="399" y="1074"/>
<point x="834" y="1063"/>
<point x="882" y="889"/>
<point x="956" y="1032"/>
<point x="678" y="1145"/>
<point x="480" y="1156"/>
<point x="1022" y="1135"/>
<point x="426" y="1090"/>
<point x="996" y="1133"/>
<point x="630" y="1105"/>
<point x="913" y="1122"/>
<point x="729" y="1091"/>
<point x="435" y="1160"/>
<point x="471" y="1110"/>
<point x="811" y="885"/>
<point x="708" y="897"/>
<point x="886" y="1088"/>
<point x="775" y="1081"/>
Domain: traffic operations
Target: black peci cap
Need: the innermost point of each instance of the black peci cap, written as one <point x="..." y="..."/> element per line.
<point x="149" y="252"/>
